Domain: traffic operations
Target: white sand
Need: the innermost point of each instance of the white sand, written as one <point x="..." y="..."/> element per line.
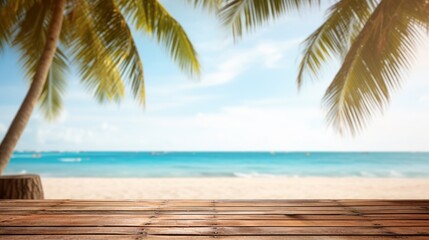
<point x="235" y="188"/>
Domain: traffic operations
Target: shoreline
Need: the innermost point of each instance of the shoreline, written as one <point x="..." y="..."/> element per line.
<point x="237" y="188"/>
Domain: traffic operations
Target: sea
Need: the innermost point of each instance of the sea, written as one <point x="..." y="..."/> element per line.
<point x="221" y="164"/>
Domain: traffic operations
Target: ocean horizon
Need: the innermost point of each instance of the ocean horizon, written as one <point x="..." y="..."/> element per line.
<point x="159" y="164"/>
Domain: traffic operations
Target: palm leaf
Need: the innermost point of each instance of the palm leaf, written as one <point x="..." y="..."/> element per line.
<point x="31" y="37"/>
<point x="95" y="62"/>
<point x="247" y="15"/>
<point x="421" y="13"/>
<point x="332" y="39"/>
<point x="32" y="21"/>
<point x="210" y="5"/>
<point x="374" y="65"/>
<point x="151" y="17"/>
<point x="118" y="39"/>
<point x="6" y="21"/>
<point x="51" y="98"/>
<point x="11" y="12"/>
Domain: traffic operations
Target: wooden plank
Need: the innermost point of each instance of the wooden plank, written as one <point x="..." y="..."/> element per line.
<point x="88" y="216"/>
<point x="77" y="220"/>
<point x="137" y="237"/>
<point x="408" y="230"/>
<point x="226" y="201"/>
<point x="224" y="215"/>
<point x="285" y="223"/>
<point x="393" y="211"/>
<point x="283" y="238"/>
<point x="285" y="231"/>
<point x="322" y="231"/>
<point x="211" y="203"/>
<point x="36" y="230"/>
<point x="370" y="209"/>
<point x="300" y="216"/>
<point x="72" y="237"/>
<point x="192" y="212"/>
<point x="262" y="223"/>
<point x="282" y="208"/>
<point x="398" y="216"/>
<point x="261" y="217"/>
<point x="206" y="219"/>
<point x="267" y="231"/>
<point x="208" y="210"/>
<point x="81" y="208"/>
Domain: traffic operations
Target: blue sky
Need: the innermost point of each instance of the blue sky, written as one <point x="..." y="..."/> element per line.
<point x="245" y="100"/>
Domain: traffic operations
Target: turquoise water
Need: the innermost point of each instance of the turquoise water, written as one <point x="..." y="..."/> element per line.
<point x="224" y="164"/>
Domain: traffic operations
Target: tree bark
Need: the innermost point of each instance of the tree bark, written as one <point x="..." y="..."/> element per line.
<point x="25" y="186"/>
<point x="24" y="113"/>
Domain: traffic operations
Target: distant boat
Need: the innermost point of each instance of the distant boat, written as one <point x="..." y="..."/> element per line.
<point x="307" y="154"/>
<point x="157" y="153"/>
<point x="69" y="160"/>
<point x="36" y="155"/>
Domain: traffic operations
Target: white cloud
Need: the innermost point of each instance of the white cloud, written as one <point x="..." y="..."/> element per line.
<point x="267" y="53"/>
<point x="176" y="101"/>
<point x="424" y="98"/>
<point x="105" y="126"/>
<point x="268" y="102"/>
<point x="250" y="127"/>
<point x="61" y="118"/>
<point x="397" y="130"/>
<point x="422" y="62"/>
<point x="229" y="64"/>
<point x="70" y="137"/>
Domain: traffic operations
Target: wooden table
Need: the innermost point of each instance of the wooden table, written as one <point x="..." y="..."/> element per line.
<point x="215" y="219"/>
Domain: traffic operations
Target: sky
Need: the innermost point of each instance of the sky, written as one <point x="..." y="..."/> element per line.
<point x="245" y="100"/>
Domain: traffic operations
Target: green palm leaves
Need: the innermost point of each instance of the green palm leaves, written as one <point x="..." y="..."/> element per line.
<point x="211" y="5"/>
<point x="51" y="98"/>
<point x="373" y="65"/>
<point x="247" y="15"/>
<point x="375" y="40"/>
<point x="96" y="37"/>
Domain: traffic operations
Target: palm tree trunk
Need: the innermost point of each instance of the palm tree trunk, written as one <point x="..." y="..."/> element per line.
<point x="23" y="116"/>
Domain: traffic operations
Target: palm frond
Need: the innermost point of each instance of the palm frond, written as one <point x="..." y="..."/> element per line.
<point x="421" y="13"/>
<point x="50" y="100"/>
<point x="332" y="39"/>
<point x="118" y="39"/>
<point x="31" y="35"/>
<point x="210" y="5"/>
<point x="374" y="65"/>
<point x="5" y="24"/>
<point x="151" y="17"/>
<point x="11" y="12"/>
<point x="30" y="40"/>
<point x="96" y="64"/>
<point x="248" y="15"/>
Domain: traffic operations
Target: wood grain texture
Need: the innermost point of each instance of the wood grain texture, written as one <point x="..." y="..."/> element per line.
<point x="24" y="186"/>
<point x="215" y="219"/>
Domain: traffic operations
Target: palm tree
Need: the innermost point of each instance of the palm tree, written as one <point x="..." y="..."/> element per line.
<point x="93" y="35"/>
<point x="375" y="40"/>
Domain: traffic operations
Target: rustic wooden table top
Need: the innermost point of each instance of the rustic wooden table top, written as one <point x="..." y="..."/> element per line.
<point x="215" y="219"/>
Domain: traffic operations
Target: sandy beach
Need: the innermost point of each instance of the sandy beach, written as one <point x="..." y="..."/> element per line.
<point x="235" y="188"/>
